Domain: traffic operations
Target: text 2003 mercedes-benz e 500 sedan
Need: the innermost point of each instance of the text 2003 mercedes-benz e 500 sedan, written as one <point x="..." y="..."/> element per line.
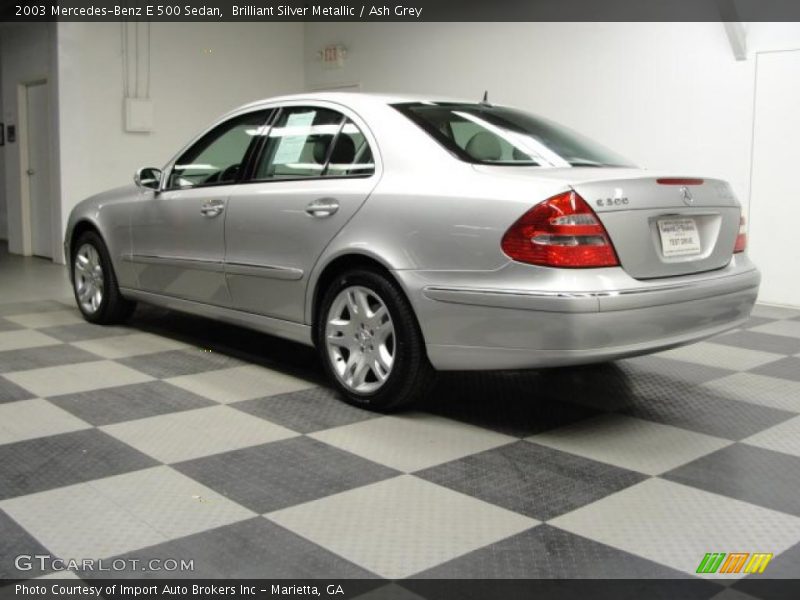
<point x="403" y="235"/>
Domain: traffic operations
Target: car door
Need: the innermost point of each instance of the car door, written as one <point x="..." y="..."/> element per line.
<point x="178" y="233"/>
<point x="314" y="170"/>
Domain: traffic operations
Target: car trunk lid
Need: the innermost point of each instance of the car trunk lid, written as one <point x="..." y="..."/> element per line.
<point x="665" y="226"/>
<point x="661" y="225"/>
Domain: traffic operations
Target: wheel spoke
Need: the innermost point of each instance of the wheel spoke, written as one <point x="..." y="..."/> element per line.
<point x="362" y="304"/>
<point x="383" y="331"/>
<point x="360" y="372"/>
<point x="380" y="369"/>
<point x="86" y="292"/>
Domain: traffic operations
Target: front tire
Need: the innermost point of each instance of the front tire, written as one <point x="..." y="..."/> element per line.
<point x="94" y="282"/>
<point x="370" y="343"/>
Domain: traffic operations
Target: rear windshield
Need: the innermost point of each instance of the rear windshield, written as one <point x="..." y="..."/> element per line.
<point x="485" y="134"/>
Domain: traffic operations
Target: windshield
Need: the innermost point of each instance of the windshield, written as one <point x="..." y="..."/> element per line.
<point x="485" y="134"/>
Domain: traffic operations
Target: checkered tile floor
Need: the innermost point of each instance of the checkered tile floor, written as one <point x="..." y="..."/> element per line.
<point x="177" y="437"/>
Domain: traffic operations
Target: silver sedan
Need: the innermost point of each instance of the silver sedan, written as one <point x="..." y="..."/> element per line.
<point x="405" y="235"/>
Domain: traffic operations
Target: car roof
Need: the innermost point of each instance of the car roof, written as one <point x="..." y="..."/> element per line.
<point x="357" y="98"/>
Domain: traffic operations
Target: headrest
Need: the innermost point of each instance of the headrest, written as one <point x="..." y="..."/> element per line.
<point x="343" y="153"/>
<point x="484" y="146"/>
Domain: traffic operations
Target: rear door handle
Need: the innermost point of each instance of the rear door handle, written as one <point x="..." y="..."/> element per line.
<point x="324" y="207"/>
<point x="212" y="208"/>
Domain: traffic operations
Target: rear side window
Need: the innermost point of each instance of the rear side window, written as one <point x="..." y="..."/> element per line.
<point x="485" y="134"/>
<point x="309" y="142"/>
<point x="218" y="157"/>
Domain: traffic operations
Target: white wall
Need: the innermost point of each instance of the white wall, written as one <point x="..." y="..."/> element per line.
<point x="666" y="95"/>
<point x="198" y="72"/>
<point x="27" y="54"/>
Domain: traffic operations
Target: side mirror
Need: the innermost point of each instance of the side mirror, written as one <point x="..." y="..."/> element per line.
<point x="148" y="177"/>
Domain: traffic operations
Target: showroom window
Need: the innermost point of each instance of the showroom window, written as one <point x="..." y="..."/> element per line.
<point x="310" y="142"/>
<point x="218" y="157"/>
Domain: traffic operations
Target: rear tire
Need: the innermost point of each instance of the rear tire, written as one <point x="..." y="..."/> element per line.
<point x="370" y="342"/>
<point x="94" y="282"/>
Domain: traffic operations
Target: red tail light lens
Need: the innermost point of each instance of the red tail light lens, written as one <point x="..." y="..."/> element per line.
<point x="563" y="231"/>
<point x="741" y="239"/>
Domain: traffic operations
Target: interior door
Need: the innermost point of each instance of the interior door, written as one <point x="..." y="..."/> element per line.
<point x="313" y="173"/>
<point x="178" y="233"/>
<point x="38" y="169"/>
<point x="774" y="201"/>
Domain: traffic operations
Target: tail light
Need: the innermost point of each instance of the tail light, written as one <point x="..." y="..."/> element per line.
<point x="741" y="238"/>
<point x="562" y="231"/>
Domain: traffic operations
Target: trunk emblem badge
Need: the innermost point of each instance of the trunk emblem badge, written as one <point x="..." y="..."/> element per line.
<point x="686" y="194"/>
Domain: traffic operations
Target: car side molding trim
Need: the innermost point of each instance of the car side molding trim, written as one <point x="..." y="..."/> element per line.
<point x="297" y="332"/>
<point x="268" y="271"/>
<point x="596" y="301"/>
<point x="175" y="261"/>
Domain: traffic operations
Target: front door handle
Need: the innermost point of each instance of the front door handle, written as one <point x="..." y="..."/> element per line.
<point x="324" y="207"/>
<point x="212" y="208"/>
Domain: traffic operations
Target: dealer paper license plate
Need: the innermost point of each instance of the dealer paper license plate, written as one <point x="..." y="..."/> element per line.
<point x="679" y="237"/>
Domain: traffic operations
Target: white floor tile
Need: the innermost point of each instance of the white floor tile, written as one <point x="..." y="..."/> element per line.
<point x="169" y="502"/>
<point x="410" y="442"/>
<point x="722" y="356"/>
<point x="784" y="437"/>
<point x="48" y="319"/>
<point x="786" y="327"/>
<point x="677" y="525"/>
<point x="401" y="526"/>
<point x="28" y="419"/>
<point x="79" y="522"/>
<point x="194" y="433"/>
<point x="124" y="346"/>
<point x="758" y="389"/>
<point x="20" y="339"/>
<point x="631" y="443"/>
<point x="240" y="383"/>
<point x="80" y="377"/>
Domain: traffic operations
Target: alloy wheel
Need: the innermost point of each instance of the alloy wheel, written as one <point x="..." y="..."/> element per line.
<point x="360" y="339"/>
<point x="88" y="278"/>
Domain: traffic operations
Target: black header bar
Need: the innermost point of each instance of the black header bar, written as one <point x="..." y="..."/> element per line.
<point x="400" y="10"/>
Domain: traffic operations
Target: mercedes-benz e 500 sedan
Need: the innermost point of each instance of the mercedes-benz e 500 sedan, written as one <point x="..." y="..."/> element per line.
<point x="404" y="235"/>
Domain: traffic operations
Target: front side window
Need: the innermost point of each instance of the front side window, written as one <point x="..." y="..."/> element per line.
<point x="308" y="142"/>
<point x="218" y="157"/>
<point x="485" y="134"/>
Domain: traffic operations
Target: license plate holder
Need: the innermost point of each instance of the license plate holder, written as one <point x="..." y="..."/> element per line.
<point x="679" y="237"/>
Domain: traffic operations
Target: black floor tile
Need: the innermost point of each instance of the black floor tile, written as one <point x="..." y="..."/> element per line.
<point x="45" y="356"/>
<point x="280" y="474"/>
<point x="787" y="368"/>
<point x="765" y="342"/>
<point x="174" y="363"/>
<point x="50" y="462"/>
<point x="15" y="541"/>
<point x="255" y="548"/>
<point x="11" y="392"/>
<point x="743" y="472"/>
<point x="530" y="479"/>
<point x="704" y="411"/>
<point x="305" y="411"/>
<point x="128" y="402"/>
<point x="546" y="552"/>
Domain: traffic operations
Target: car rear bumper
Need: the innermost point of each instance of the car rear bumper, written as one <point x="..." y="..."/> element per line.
<point x="477" y="328"/>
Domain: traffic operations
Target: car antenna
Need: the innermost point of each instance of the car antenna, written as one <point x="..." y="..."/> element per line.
<point x="485" y="98"/>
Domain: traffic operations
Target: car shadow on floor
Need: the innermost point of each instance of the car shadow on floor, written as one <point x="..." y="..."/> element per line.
<point x="519" y="403"/>
<point x="247" y="345"/>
